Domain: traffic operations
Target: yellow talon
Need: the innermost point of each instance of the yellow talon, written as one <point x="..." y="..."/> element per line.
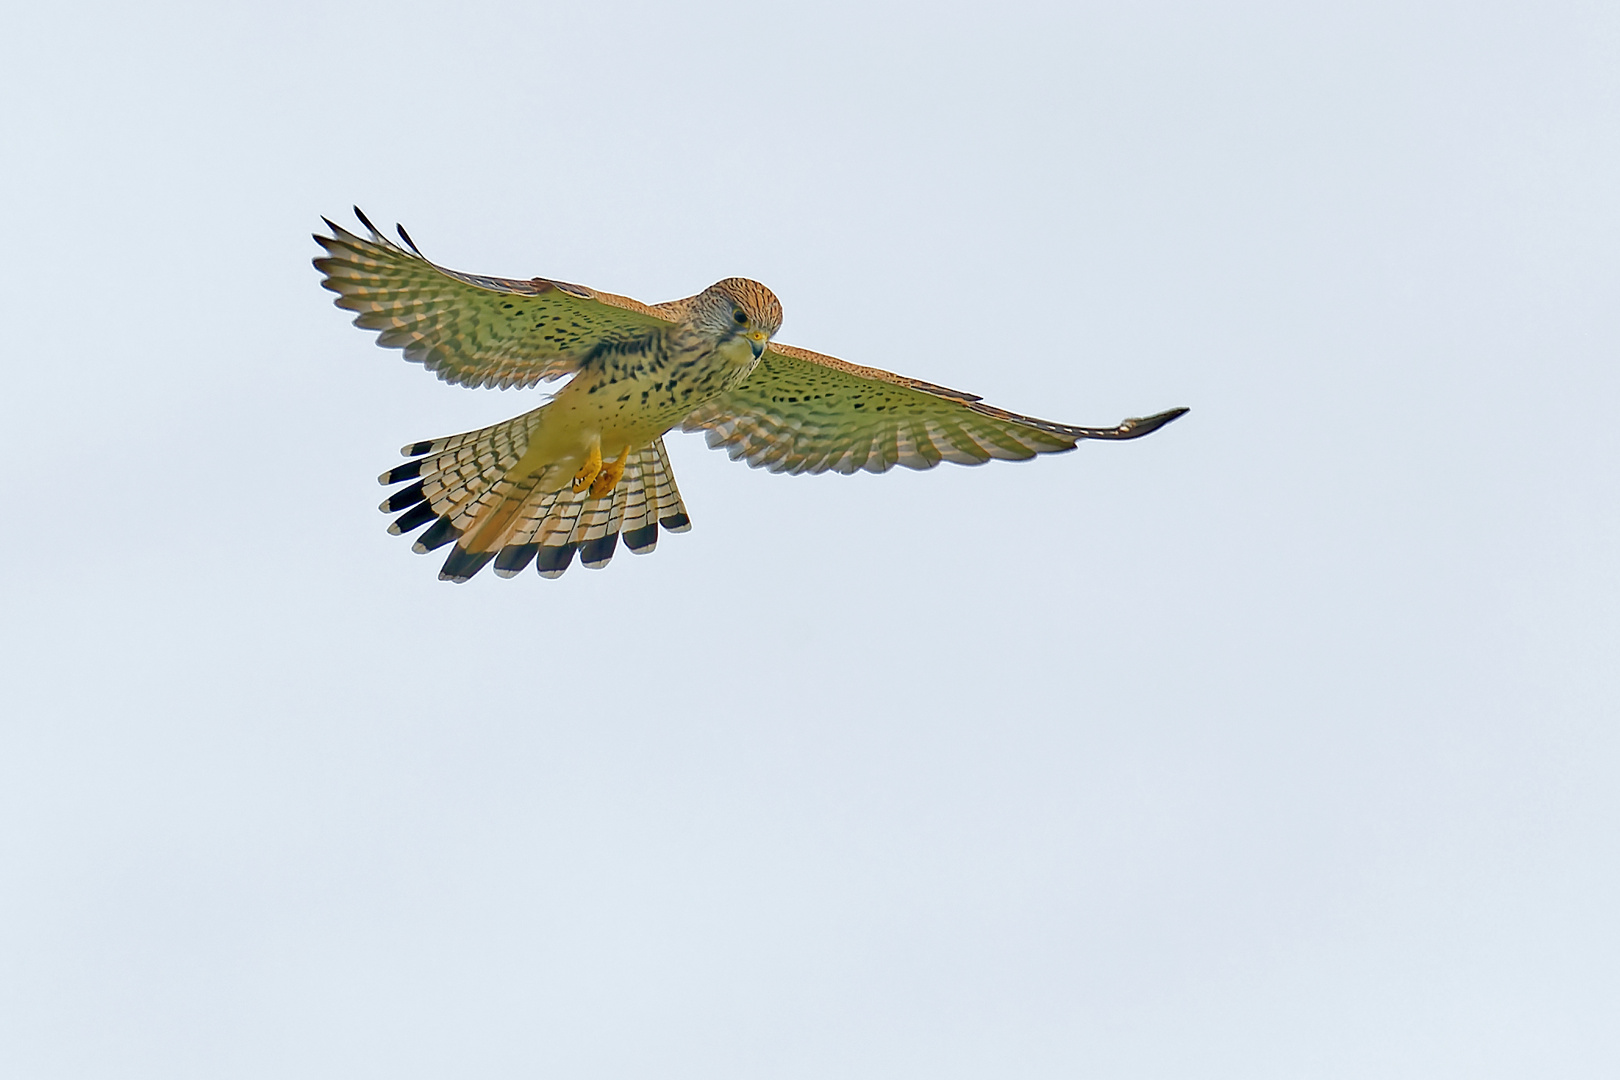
<point x="608" y="478"/>
<point x="588" y="472"/>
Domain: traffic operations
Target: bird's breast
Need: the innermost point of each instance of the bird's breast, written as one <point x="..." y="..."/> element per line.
<point x="652" y="388"/>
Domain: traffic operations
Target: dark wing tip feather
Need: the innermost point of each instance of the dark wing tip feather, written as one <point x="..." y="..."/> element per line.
<point x="405" y="236"/>
<point x="1135" y="428"/>
<point x="361" y="214"/>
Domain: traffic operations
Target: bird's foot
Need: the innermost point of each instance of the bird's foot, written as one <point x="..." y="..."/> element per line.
<point x="608" y="478"/>
<point x="592" y="468"/>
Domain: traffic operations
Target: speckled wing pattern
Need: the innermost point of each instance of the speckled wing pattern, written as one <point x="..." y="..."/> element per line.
<point x="802" y="412"/>
<point x="467" y="328"/>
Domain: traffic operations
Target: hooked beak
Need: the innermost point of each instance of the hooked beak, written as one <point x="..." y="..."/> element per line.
<point x="756" y="341"/>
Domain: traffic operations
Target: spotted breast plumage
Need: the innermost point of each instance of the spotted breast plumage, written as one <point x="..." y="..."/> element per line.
<point x="589" y="466"/>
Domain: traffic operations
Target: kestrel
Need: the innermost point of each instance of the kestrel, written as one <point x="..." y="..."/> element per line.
<point x="589" y="464"/>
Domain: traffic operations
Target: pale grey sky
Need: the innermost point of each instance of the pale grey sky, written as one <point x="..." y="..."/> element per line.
<point x="1281" y="743"/>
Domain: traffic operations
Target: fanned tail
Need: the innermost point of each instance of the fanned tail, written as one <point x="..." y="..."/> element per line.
<point x="463" y="488"/>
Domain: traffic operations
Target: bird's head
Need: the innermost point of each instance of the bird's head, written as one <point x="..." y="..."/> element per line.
<point x="739" y="308"/>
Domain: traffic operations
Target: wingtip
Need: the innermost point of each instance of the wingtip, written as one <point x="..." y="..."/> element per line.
<point x="1147" y="425"/>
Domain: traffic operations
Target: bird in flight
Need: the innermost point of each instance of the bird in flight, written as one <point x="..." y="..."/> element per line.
<point x="589" y="465"/>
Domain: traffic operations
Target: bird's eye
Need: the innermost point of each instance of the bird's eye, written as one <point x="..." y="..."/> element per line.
<point x="741" y="317"/>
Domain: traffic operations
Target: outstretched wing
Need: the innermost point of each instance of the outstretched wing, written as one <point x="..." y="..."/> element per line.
<point x="801" y="412"/>
<point x="469" y="329"/>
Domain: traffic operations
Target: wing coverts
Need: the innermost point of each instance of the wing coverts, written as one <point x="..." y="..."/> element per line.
<point x="469" y="329"/>
<point x="801" y="412"/>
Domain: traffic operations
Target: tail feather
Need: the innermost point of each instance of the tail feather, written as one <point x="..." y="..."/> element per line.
<point x="513" y="558"/>
<point x="552" y="561"/>
<point x="595" y="554"/>
<point x="461" y="486"/>
<point x="669" y="510"/>
<point x="639" y="507"/>
<point x="403" y="499"/>
<point x="440" y="533"/>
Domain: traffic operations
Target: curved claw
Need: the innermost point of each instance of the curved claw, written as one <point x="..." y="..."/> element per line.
<point x="593" y="466"/>
<point x="608" y="478"/>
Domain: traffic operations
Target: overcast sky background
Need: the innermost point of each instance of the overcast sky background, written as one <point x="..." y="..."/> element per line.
<point x="1280" y="743"/>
